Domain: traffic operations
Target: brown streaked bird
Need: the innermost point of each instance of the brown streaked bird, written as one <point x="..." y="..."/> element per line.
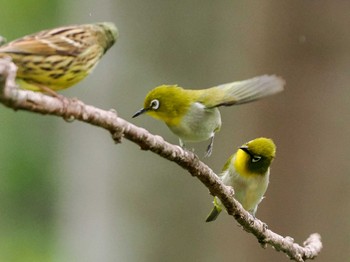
<point x="58" y="58"/>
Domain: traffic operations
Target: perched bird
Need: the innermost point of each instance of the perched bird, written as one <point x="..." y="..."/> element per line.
<point x="58" y="58"/>
<point x="193" y="115"/>
<point x="247" y="171"/>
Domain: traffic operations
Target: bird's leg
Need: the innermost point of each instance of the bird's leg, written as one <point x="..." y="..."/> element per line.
<point x="183" y="146"/>
<point x="210" y="147"/>
<point x="49" y="91"/>
<point x="2" y="40"/>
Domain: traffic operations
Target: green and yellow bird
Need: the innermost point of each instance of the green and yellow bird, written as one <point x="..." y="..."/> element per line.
<point x="58" y="58"/>
<point x="247" y="171"/>
<point x="193" y="115"/>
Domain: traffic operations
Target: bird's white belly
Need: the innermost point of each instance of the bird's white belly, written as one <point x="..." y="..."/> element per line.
<point x="199" y="124"/>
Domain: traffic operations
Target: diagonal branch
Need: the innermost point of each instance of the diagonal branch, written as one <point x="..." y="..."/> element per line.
<point x="72" y="109"/>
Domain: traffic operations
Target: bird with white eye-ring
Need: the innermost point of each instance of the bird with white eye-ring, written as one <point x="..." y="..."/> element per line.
<point x="247" y="171"/>
<point x="193" y="115"/>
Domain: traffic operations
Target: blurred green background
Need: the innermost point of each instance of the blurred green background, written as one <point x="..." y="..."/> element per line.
<point x="68" y="193"/>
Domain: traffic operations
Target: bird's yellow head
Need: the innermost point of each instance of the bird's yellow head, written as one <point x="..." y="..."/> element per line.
<point x="255" y="157"/>
<point x="168" y="103"/>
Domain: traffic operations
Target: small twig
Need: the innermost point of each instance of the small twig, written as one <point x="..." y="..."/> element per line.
<point x="119" y="128"/>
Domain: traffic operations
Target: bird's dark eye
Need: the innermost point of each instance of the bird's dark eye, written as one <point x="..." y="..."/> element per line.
<point x="256" y="158"/>
<point x="154" y="104"/>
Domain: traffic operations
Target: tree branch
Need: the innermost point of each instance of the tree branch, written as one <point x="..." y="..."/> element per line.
<point x="71" y="109"/>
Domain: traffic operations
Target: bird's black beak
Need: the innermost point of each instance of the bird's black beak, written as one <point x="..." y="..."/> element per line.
<point x="140" y="112"/>
<point x="245" y="149"/>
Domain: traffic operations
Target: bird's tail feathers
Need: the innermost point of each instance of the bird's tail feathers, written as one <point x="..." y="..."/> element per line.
<point x="216" y="210"/>
<point x="213" y="215"/>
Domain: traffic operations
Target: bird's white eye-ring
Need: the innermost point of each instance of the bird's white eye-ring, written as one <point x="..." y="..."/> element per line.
<point x="256" y="159"/>
<point x="154" y="104"/>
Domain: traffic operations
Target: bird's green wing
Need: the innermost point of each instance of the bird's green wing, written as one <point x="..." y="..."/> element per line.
<point x="242" y="91"/>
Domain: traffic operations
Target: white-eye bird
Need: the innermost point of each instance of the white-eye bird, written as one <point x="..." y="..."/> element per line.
<point x="193" y="115"/>
<point x="247" y="171"/>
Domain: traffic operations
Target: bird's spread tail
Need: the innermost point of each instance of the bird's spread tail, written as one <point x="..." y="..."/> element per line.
<point x="246" y="91"/>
